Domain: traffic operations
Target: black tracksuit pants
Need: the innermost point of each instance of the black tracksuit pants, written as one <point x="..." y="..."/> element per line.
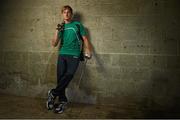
<point x="66" y="68"/>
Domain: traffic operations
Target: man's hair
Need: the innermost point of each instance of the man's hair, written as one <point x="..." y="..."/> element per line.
<point x="67" y="7"/>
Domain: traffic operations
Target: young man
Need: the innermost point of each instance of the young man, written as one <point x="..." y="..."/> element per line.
<point x="69" y="37"/>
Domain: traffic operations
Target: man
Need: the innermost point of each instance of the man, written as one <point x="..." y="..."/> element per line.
<point x="69" y="36"/>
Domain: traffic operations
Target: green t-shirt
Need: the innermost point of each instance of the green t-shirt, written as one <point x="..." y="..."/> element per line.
<point x="70" y="38"/>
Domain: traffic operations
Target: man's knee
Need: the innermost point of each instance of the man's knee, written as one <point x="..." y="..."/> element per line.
<point x="69" y="75"/>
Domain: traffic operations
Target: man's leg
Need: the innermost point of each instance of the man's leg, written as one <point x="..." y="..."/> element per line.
<point x="72" y="65"/>
<point x="52" y="94"/>
<point x="61" y="70"/>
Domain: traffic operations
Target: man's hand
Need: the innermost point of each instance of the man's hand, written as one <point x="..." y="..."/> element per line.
<point x="55" y="39"/>
<point x="87" y="55"/>
<point x="87" y="48"/>
<point x="60" y="27"/>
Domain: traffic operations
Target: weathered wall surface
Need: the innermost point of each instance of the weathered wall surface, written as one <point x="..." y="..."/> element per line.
<point x="136" y="50"/>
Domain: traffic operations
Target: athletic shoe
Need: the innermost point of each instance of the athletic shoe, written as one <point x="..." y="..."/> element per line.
<point x="60" y="107"/>
<point x="50" y="100"/>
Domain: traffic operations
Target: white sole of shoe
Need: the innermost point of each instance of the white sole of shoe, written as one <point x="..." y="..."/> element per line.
<point x="47" y="105"/>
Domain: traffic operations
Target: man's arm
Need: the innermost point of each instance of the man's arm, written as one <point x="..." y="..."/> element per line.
<point x="55" y="39"/>
<point x="88" y="46"/>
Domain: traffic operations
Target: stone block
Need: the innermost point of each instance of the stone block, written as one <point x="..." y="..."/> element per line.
<point x="43" y="57"/>
<point x="106" y="34"/>
<point x="16" y="62"/>
<point x="37" y="72"/>
<point x="130" y="74"/>
<point x="173" y="62"/>
<point x="144" y="61"/>
<point x="131" y="33"/>
<point x="102" y="60"/>
<point x="159" y="62"/>
<point x="151" y="7"/>
<point x="90" y="9"/>
<point x="135" y="47"/>
<point x="45" y="72"/>
<point x="90" y="22"/>
<point x="96" y="78"/>
<point x="124" y="60"/>
<point x="171" y="34"/>
<point x="171" y="7"/>
<point x="124" y="8"/>
<point x="103" y="7"/>
<point x="95" y="36"/>
<point x="165" y="47"/>
<point x="108" y="47"/>
<point x="130" y="21"/>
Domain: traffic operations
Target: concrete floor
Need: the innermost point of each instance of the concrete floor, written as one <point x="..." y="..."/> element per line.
<point x="24" y="107"/>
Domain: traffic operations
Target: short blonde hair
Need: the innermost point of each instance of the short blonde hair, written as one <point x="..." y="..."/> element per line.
<point x="67" y="7"/>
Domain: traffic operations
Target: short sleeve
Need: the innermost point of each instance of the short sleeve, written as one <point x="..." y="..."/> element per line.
<point x="82" y="30"/>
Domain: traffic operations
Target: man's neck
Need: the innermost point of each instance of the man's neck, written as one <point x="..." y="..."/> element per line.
<point x="67" y="21"/>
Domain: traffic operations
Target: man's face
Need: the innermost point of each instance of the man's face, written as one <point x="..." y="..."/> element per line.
<point x="67" y="14"/>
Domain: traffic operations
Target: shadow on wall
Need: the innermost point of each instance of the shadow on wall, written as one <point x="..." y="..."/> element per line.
<point x="75" y="92"/>
<point x="82" y="91"/>
<point x="79" y="17"/>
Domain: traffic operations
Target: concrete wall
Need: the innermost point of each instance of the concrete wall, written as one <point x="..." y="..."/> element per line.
<point x="136" y="50"/>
